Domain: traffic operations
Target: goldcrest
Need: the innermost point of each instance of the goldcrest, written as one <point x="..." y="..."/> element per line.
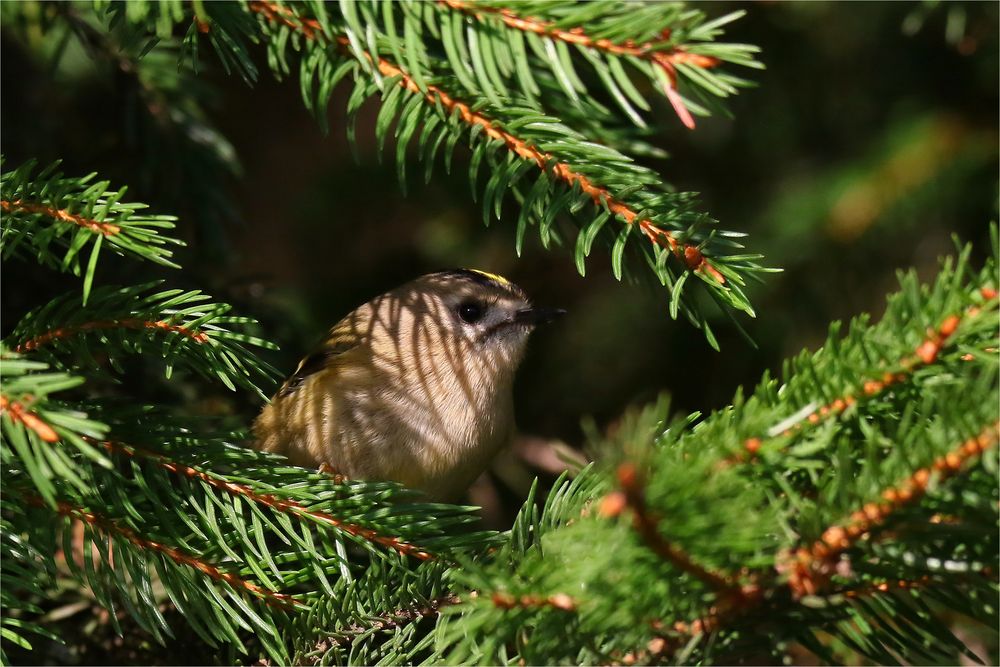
<point x="414" y="386"/>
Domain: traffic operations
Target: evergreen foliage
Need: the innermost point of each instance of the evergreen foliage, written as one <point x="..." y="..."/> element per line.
<point x="445" y="77"/>
<point x="177" y="324"/>
<point x="848" y="508"/>
<point x="855" y="498"/>
<point x="76" y="214"/>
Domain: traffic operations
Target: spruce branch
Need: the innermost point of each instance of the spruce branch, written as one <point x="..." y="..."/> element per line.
<point x="809" y="570"/>
<point x="128" y="562"/>
<point x="183" y="327"/>
<point x="111" y="528"/>
<point x="351" y="509"/>
<point x="659" y="59"/>
<point x="560" y="601"/>
<point x="547" y="165"/>
<point x="900" y="487"/>
<point x="572" y="173"/>
<point x="41" y="434"/>
<point x="232" y="540"/>
<point x="58" y="217"/>
<point x="394" y="619"/>
<point x="891" y="586"/>
<point x="647" y="526"/>
<point x="809" y="567"/>
<point x="925" y="354"/>
<point x="19" y="206"/>
<point x="868" y="515"/>
<point x="376" y="616"/>
<point x="220" y="526"/>
<point x="272" y="501"/>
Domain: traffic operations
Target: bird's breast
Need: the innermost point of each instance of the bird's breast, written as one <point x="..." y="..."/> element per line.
<point x="439" y="427"/>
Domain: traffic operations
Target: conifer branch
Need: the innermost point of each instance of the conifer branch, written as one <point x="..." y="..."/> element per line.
<point x="648" y="528"/>
<point x="573" y="173"/>
<point x="244" y="543"/>
<point x="582" y="173"/>
<point x="164" y="514"/>
<point x="925" y="354"/>
<point x="881" y="587"/>
<point x="280" y="504"/>
<point x="532" y="52"/>
<point x="600" y="196"/>
<point x="85" y="213"/>
<point x="810" y="567"/>
<point x="62" y="215"/>
<point x="659" y="53"/>
<point x="183" y="326"/>
<point x="24" y="575"/>
<point x="759" y="513"/>
<point x="127" y="323"/>
<point x="276" y="13"/>
<point x="380" y="613"/>
<point x="577" y="35"/>
<point x="110" y="527"/>
<point x="41" y="435"/>
<point x="892" y="586"/>
<point x="18" y="413"/>
<point x="389" y="621"/>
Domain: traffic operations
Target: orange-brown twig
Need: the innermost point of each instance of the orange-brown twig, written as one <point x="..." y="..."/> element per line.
<point x="287" y="17"/>
<point x="689" y="254"/>
<point x="646" y="525"/>
<point x="716" y="617"/>
<point x="809" y="568"/>
<point x="20" y="206"/>
<point x="557" y="601"/>
<point x="19" y="413"/>
<point x="128" y="323"/>
<point x="926" y="353"/>
<point x="108" y="526"/>
<point x="664" y="59"/>
<point x="280" y="504"/>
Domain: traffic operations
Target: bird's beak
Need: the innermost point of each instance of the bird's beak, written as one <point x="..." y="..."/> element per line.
<point x="536" y="316"/>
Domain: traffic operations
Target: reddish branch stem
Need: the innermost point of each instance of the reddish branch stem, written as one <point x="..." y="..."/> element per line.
<point x="20" y="206"/>
<point x="647" y="526"/>
<point x="926" y="353"/>
<point x="664" y="59"/>
<point x="809" y="568"/>
<point x="108" y="526"/>
<point x="689" y="254"/>
<point x="280" y="504"/>
<point x="129" y="323"/>
<point x="19" y="413"/>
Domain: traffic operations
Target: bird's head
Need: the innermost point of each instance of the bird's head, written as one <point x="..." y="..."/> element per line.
<point x="489" y="315"/>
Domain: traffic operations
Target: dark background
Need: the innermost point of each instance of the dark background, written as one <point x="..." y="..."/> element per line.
<point x="869" y="140"/>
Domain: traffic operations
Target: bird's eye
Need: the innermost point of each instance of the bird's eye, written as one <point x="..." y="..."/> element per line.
<point x="471" y="312"/>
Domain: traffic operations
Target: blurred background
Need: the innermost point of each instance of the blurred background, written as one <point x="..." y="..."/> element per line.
<point x="870" y="139"/>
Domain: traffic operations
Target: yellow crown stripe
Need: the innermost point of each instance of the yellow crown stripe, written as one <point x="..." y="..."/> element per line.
<point x="492" y="276"/>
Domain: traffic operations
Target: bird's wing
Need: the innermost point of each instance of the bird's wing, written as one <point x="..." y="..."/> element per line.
<point x="342" y="339"/>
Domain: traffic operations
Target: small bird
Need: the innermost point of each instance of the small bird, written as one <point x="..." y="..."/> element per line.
<point x="414" y="386"/>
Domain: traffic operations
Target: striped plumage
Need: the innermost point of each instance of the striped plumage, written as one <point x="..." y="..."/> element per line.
<point x="413" y="386"/>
